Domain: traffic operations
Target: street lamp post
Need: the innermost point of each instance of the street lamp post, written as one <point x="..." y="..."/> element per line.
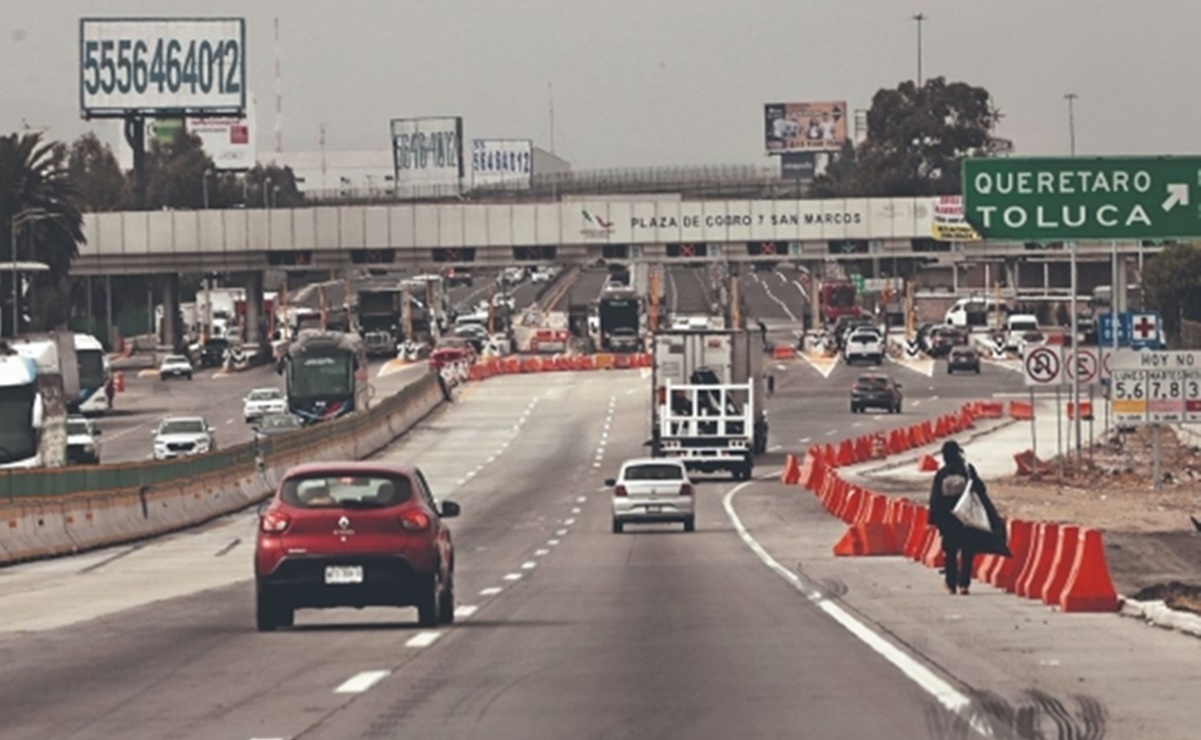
<point x="1071" y="98"/>
<point x="29" y="215"/>
<point x="919" y="19"/>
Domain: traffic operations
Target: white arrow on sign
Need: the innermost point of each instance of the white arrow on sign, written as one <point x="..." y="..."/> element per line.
<point x="1177" y="195"/>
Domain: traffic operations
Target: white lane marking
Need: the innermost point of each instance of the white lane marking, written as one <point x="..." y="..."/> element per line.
<point x="552" y="543"/>
<point x="569" y="522"/>
<point x="465" y="611"/>
<point x="360" y="682"/>
<point x="915" y="404"/>
<point x="561" y="532"/>
<point x="423" y="639"/>
<point x="831" y="433"/>
<point x="540" y="552"/>
<point x="824" y="366"/>
<point x="856" y="423"/>
<point x="491" y="591"/>
<point x="581" y="499"/>
<point x="529" y="565"/>
<point x="596" y="464"/>
<point x="492" y="459"/>
<point x="460" y="482"/>
<point x="512" y="576"/>
<point x="947" y="695"/>
<point x="228" y="422"/>
<point x="771" y="295"/>
<point x="575" y="510"/>
<point x="805" y="440"/>
<point x="775" y="448"/>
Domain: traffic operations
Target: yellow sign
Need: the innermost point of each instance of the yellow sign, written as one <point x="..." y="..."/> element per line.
<point x="949" y="224"/>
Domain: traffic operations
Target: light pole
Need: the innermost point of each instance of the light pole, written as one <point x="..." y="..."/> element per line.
<point x="1071" y="98"/>
<point x="919" y="19"/>
<point x="29" y="215"/>
<point x="207" y="172"/>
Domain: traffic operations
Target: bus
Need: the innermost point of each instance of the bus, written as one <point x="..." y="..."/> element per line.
<point x="95" y="378"/>
<point x="36" y="376"/>
<point x="326" y="374"/>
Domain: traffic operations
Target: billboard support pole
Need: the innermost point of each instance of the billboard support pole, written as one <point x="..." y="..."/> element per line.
<point x="135" y="136"/>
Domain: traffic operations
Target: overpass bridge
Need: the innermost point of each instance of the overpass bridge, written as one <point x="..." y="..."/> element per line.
<point x="424" y="236"/>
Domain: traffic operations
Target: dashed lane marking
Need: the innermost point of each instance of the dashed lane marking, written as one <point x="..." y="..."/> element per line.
<point x="529" y="565"/>
<point x="491" y="591"/>
<point x="513" y="576"/>
<point x="465" y="611"/>
<point x="423" y="639"/>
<point x="360" y="682"/>
<point x="540" y="552"/>
<point x="561" y="532"/>
<point x="552" y="543"/>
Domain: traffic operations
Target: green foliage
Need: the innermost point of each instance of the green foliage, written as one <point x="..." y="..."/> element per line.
<point x="37" y="193"/>
<point x="916" y="139"/>
<point x="1172" y="285"/>
<point x="97" y="176"/>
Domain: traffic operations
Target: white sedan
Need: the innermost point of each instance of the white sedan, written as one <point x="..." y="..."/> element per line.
<point x="175" y="366"/>
<point x="650" y="490"/>
<point x="263" y="401"/>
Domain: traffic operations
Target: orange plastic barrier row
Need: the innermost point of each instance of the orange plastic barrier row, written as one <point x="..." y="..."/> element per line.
<point x="783" y="352"/>
<point x="488" y="367"/>
<point x="1061" y="565"/>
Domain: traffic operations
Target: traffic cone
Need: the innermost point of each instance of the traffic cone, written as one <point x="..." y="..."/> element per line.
<point x="927" y="464"/>
<point x="1089" y="587"/>
<point x="1061" y="564"/>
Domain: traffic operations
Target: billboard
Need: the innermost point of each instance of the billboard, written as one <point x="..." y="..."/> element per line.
<point x="161" y="65"/>
<point x="804" y="127"/>
<point x="949" y="225"/>
<point x="229" y="141"/>
<point x="428" y="152"/>
<point x="504" y="163"/>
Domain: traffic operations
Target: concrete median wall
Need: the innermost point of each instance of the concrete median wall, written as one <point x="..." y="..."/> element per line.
<point x="44" y="526"/>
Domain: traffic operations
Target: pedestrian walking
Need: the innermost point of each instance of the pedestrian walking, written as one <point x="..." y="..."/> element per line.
<point x="962" y="543"/>
<point x="771" y="385"/>
<point x="763" y="333"/>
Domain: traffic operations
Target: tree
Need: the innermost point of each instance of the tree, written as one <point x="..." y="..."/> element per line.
<point x="272" y="185"/>
<point x="96" y="175"/>
<point x="38" y="198"/>
<point x="1171" y="285"/>
<point x="916" y="140"/>
<point x="176" y="173"/>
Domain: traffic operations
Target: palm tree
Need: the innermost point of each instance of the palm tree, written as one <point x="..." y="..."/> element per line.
<point x="39" y="206"/>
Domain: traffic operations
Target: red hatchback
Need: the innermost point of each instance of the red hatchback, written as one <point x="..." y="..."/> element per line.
<point x="354" y="534"/>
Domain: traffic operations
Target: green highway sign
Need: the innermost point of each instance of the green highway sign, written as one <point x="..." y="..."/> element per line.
<point x="1060" y="198"/>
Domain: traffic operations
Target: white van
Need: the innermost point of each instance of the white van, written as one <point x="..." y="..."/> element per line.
<point x="975" y="311"/>
<point x="1016" y="327"/>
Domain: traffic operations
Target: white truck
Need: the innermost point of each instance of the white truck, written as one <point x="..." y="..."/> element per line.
<point x="707" y="400"/>
<point x="37" y="376"/>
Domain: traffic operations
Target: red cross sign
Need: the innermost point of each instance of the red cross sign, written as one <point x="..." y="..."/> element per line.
<point x="1145" y="326"/>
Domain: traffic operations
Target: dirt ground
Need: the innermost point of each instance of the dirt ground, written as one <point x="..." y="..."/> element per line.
<point x="1150" y="540"/>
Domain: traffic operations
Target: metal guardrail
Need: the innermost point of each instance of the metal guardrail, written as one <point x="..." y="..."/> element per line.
<point x="18" y="485"/>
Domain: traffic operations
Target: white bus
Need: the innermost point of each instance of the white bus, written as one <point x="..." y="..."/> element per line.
<point x="95" y="377"/>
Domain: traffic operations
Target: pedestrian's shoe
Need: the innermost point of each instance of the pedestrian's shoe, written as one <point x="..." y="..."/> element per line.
<point x="948" y="589"/>
<point x="963" y="591"/>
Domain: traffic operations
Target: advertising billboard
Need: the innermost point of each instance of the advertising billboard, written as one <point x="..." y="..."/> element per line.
<point x="804" y="127"/>
<point x="193" y="66"/>
<point x="428" y="152"/>
<point x="949" y="225"/>
<point x="229" y="141"/>
<point x="503" y="163"/>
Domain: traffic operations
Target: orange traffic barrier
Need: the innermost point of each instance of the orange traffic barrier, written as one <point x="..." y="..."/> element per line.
<point x="966" y="420"/>
<point x="901" y="519"/>
<point x="850" y="504"/>
<point x="991" y="410"/>
<point x="816" y="472"/>
<point x="867" y="538"/>
<point x="940" y="427"/>
<point x="119" y="382"/>
<point x="833" y="495"/>
<point x="928" y="433"/>
<point x="1021" y="410"/>
<point x="851" y="543"/>
<point x="792" y="471"/>
<point x="933" y="557"/>
<point x="863" y="448"/>
<point x="1086" y="410"/>
<point x="1046" y="538"/>
<point x="1089" y="587"/>
<point x="602" y="361"/>
<point x="874" y="509"/>
<point x="1005" y="571"/>
<point x="927" y="464"/>
<point x="1061" y="564"/>
<point x="783" y="352"/>
<point x="829" y="457"/>
<point x="846" y="453"/>
<point x="918" y="531"/>
<point x="621" y="362"/>
<point x="913" y="436"/>
<point x="899" y="442"/>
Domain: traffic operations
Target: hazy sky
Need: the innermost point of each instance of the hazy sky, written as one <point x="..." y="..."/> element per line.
<point x="654" y="82"/>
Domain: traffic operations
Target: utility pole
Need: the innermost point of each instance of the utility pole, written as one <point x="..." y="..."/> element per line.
<point x="1071" y="98"/>
<point x="919" y="19"/>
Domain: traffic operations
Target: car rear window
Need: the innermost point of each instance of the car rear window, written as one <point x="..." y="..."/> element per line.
<point x="865" y="338"/>
<point x="872" y="382"/>
<point x="654" y="472"/>
<point x="346" y="492"/>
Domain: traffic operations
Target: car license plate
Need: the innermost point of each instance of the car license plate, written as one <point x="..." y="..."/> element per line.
<point x="336" y="575"/>
<point x="653" y="509"/>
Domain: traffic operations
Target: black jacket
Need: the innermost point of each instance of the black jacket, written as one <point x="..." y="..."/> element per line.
<point x="951" y="528"/>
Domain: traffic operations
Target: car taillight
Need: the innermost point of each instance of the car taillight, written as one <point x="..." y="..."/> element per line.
<point x="274" y="522"/>
<point x="686" y="489"/>
<point x="414" y="521"/>
<point x="620" y="491"/>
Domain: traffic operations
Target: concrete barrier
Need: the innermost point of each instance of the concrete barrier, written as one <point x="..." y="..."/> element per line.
<point x="40" y="527"/>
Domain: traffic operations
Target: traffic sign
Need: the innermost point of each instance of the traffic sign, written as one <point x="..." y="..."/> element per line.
<point x="1128" y="396"/>
<point x="1135" y="330"/>
<point x="1156" y="387"/>
<point x="1082" y="366"/>
<point x="1061" y="198"/>
<point x="1042" y="366"/>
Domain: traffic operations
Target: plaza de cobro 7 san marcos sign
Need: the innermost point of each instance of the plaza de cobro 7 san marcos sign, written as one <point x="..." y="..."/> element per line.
<point x="1055" y="199"/>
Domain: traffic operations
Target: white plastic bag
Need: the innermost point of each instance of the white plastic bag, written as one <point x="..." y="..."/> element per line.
<point x="970" y="510"/>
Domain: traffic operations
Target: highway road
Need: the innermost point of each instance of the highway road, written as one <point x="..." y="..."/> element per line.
<point x="565" y="629"/>
<point x="687" y="290"/>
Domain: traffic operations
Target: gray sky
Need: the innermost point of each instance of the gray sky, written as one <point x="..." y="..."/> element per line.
<point x="654" y="82"/>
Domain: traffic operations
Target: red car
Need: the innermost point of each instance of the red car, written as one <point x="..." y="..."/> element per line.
<point x="354" y="534"/>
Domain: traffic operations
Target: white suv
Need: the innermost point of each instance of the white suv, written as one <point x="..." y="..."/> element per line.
<point x="263" y="401"/>
<point x="181" y="436"/>
<point x="865" y="344"/>
<point x="651" y="490"/>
